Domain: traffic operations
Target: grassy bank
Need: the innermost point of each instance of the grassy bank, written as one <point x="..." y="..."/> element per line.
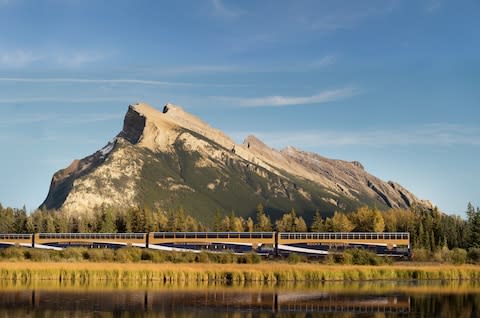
<point x="264" y="272"/>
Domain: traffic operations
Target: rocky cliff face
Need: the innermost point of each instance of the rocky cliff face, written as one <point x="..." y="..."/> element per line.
<point x="170" y="158"/>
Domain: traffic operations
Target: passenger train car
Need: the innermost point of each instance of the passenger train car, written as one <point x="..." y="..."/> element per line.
<point x="263" y="243"/>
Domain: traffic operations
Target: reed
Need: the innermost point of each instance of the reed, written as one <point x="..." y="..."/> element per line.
<point x="274" y="272"/>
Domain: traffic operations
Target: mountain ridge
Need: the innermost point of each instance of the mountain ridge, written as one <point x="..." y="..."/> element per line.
<point x="170" y="158"/>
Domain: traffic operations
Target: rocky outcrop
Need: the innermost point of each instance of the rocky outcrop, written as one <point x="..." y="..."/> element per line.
<point x="133" y="126"/>
<point x="170" y="158"/>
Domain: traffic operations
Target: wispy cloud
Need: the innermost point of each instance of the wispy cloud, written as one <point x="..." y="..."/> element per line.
<point x="44" y="99"/>
<point x="328" y="21"/>
<point x="78" y="59"/>
<point x="221" y="10"/>
<point x="33" y="118"/>
<point x="94" y="81"/>
<point x="433" y="5"/>
<point x="324" y="61"/>
<point x="422" y="135"/>
<point x="6" y="2"/>
<point x="21" y="58"/>
<point x="17" y="58"/>
<point x="191" y="69"/>
<point x="279" y="101"/>
<point x="301" y="66"/>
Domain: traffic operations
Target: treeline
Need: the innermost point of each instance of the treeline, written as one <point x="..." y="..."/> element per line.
<point x="430" y="230"/>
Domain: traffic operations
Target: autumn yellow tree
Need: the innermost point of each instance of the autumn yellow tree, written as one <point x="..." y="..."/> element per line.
<point x="338" y="223"/>
<point x="366" y="219"/>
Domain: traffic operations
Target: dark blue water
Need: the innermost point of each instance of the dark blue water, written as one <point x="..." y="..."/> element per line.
<point x="325" y="300"/>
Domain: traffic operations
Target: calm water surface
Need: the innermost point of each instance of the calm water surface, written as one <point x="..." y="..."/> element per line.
<point x="372" y="299"/>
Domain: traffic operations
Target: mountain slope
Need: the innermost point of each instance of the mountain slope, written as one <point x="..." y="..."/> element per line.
<point x="170" y="158"/>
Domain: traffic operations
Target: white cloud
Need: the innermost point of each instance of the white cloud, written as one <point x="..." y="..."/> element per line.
<point x="90" y="81"/>
<point x="6" y="2"/>
<point x="21" y="58"/>
<point x="279" y="101"/>
<point x="33" y="118"/>
<point x="78" y="59"/>
<point x="17" y="58"/>
<point x="422" y="135"/>
<point x="202" y="69"/>
<point x="219" y="9"/>
<point x="43" y="99"/>
<point x="324" y="61"/>
<point x="348" y="17"/>
<point x="434" y="5"/>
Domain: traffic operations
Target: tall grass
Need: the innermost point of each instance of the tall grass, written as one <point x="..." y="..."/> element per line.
<point x="197" y="272"/>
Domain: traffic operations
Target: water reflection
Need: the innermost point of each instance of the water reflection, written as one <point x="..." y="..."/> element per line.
<point x="378" y="299"/>
<point x="225" y="300"/>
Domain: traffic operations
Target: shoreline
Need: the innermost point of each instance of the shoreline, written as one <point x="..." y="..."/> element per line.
<point x="26" y="271"/>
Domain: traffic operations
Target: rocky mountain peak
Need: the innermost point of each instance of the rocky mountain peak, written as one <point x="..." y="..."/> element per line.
<point x="252" y="142"/>
<point x="133" y="125"/>
<point x="189" y="163"/>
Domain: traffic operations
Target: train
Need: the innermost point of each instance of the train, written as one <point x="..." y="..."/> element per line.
<point x="269" y="244"/>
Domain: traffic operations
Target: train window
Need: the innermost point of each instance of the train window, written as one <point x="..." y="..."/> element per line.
<point x="201" y="235"/>
<point x="190" y="235"/>
<point x="222" y="235"/>
<point x="368" y="236"/>
<point x="256" y="235"/>
<point x="268" y="235"/>
<point x="246" y="235"/>
<point x="168" y="235"/>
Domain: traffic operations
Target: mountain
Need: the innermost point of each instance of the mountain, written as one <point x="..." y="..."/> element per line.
<point x="170" y="159"/>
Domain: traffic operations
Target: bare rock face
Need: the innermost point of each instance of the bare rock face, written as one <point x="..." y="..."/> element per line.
<point x="133" y="126"/>
<point x="170" y="158"/>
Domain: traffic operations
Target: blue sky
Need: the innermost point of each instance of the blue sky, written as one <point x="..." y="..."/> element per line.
<point x="393" y="84"/>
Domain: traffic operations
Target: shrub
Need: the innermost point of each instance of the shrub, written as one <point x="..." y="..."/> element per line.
<point x="361" y="257"/>
<point x="100" y="255"/>
<point x="329" y="259"/>
<point x="226" y="258"/>
<point x="203" y="257"/>
<point x="74" y="254"/>
<point x="474" y="255"/>
<point x="443" y="255"/>
<point x="128" y="254"/>
<point x="459" y="256"/>
<point x="37" y="255"/>
<point x="344" y="258"/>
<point x="13" y="253"/>
<point x="249" y="258"/>
<point x="421" y="255"/>
<point x="295" y="258"/>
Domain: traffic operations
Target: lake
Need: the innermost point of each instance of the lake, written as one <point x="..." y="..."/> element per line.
<point x="333" y="299"/>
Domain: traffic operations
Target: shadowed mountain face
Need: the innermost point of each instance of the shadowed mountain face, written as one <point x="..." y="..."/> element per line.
<point x="170" y="159"/>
